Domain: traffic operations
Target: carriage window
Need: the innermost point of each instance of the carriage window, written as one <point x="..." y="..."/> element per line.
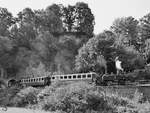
<point x="42" y="78"/>
<point x="89" y="76"/>
<point x="61" y="77"/>
<point x="69" y="77"/>
<point x="79" y="76"/>
<point x="53" y="77"/>
<point x="31" y="80"/>
<point x="65" y="77"/>
<point x="74" y="76"/>
<point x="83" y="76"/>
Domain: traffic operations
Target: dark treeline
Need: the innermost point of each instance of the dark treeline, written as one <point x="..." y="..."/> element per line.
<point x="60" y="39"/>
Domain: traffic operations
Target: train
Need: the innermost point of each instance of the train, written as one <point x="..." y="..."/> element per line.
<point x="139" y="76"/>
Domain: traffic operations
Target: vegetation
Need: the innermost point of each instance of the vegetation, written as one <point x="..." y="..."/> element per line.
<point x="61" y="40"/>
<point x="79" y="97"/>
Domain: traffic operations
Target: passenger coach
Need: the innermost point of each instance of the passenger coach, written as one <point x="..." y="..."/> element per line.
<point x="89" y="77"/>
<point x="38" y="81"/>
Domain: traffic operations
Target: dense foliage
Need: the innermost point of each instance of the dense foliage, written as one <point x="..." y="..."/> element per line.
<point x="60" y="39"/>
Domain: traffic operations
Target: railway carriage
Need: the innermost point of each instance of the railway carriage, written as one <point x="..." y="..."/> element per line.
<point x="38" y="81"/>
<point x="88" y="77"/>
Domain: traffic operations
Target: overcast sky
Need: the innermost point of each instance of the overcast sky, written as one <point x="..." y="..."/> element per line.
<point x="105" y="11"/>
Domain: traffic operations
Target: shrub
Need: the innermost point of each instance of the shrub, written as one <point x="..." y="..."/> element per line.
<point x="98" y="102"/>
<point x="76" y="97"/>
<point x="6" y="96"/>
<point x="26" y="97"/>
<point x="45" y="92"/>
<point x="81" y="97"/>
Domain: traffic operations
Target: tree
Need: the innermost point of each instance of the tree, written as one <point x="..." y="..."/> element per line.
<point x="103" y="46"/>
<point x="24" y="35"/>
<point x="87" y="61"/>
<point x="56" y="9"/>
<point x="147" y="50"/>
<point x="67" y="50"/>
<point x="131" y="59"/>
<point x="144" y="34"/>
<point x="22" y="58"/>
<point x="6" y="56"/>
<point x="145" y="27"/>
<point x="93" y="56"/>
<point x="6" y="20"/>
<point x="49" y="19"/>
<point x="45" y="45"/>
<point x="84" y="19"/>
<point x="126" y="30"/>
<point x="26" y="16"/>
<point x="68" y="18"/>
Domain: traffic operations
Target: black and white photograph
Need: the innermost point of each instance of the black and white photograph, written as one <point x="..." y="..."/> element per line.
<point x="74" y="56"/>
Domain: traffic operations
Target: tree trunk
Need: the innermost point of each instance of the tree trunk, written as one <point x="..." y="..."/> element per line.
<point x="2" y="72"/>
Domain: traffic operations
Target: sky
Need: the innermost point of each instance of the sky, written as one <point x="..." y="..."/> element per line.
<point x="105" y="11"/>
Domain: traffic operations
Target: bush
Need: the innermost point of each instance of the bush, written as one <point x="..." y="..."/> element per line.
<point x="6" y="96"/>
<point x="26" y="97"/>
<point x="76" y="97"/>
